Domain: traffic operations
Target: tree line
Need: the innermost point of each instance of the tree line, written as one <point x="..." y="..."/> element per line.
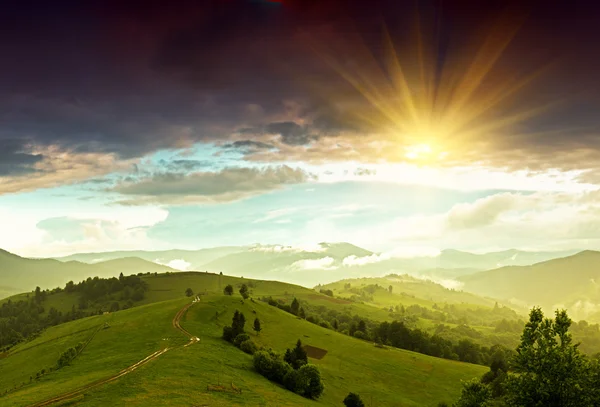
<point x="396" y="334"/>
<point x="25" y="319"/>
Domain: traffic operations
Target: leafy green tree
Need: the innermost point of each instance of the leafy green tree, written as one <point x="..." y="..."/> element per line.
<point x="189" y="292"/>
<point x="550" y="370"/>
<point x="474" y="394"/>
<point x="301" y="313"/>
<point x="309" y="382"/>
<point x="390" y="288"/>
<point x="296" y="357"/>
<point x="362" y="326"/>
<point x="228" y="290"/>
<point x="257" y="326"/>
<point x="244" y="292"/>
<point x="295" y="306"/>
<point x="353" y="400"/>
<point x="238" y="322"/>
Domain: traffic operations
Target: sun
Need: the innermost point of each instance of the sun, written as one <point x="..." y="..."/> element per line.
<point x="418" y="151"/>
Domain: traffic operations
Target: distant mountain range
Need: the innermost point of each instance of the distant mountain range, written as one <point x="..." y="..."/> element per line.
<point x="19" y="274"/>
<point x="326" y="262"/>
<point x="571" y="282"/>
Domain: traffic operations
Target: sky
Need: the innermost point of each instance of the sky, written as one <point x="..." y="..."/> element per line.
<point x="411" y="126"/>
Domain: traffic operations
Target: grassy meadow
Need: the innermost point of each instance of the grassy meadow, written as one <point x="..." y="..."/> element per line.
<point x="387" y="377"/>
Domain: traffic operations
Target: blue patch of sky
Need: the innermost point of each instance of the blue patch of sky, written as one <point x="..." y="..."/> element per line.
<point x="347" y="205"/>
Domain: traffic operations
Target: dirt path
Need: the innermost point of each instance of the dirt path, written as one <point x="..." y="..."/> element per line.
<point x="127" y="370"/>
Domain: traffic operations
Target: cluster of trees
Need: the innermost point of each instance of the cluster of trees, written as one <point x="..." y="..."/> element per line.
<point x="294" y="308"/>
<point x="548" y="369"/>
<point x="244" y="291"/>
<point x="25" y="319"/>
<point x="293" y="371"/>
<point x="397" y="334"/>
<point x="237" y="335"/>
<point x="99" y="290"/>
<point x="68" y="356"/>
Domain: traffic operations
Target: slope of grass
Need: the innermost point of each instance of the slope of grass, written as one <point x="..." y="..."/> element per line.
<point x="133" y="335"/>
<point x="180" y="377"/>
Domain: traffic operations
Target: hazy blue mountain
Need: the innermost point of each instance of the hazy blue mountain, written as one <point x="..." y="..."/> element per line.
<point x="19" y="274"/>
<point x="571" y="282"/>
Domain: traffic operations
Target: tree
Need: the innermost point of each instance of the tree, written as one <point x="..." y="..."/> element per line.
<point x="308" y="383"/>
<point x="474" y="394"/>
<point x="257" y="327"/>
<point x="189" y="292"/>
<point x="38" y="294"/>
<point x="335" y="324"/>
<point x="301" y="313"/>
<point x="228" y="290"/>
<point x="238" y="322"/>
<point x="550" y="370"/>
<point x="390" y="288"/>
<point x="121" y="276"/>
<point x="295" y="306"/>
<point x="296" y="357"/>
<point x="362" y="326"/>
<point x="353" y="400"/>
<point x="244" y="292"/>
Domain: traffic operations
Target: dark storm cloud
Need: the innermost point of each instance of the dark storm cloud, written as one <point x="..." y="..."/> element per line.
<point x="14" y="160"/>
<point x="246" y="145"/>
<point x="131" y="78"/>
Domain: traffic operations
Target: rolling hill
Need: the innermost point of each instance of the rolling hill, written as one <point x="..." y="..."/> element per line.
<point x="570" y="282"/>
<point x="179" y="375"/>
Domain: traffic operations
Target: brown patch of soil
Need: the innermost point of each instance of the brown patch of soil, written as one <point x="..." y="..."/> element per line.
<point x="314" y="352"/>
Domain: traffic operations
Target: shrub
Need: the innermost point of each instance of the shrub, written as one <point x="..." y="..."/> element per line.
<point x="248" y="346"/>
<point x="263" y="363"/>
<point x="325" y="324"/>
<point x="309" y="382"/>
<point x="353" y="400"/>
<point x="360" y="335"/>
<point x="280" y="370"/>
<point x="240" y="338"/>
<point x="290" y="381"/>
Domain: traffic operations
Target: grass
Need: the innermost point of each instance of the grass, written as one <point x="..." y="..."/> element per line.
<point x="391" y="377"/>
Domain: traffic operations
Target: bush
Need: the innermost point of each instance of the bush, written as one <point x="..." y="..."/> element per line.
<point x="360" y="335"/>
<point x="290" y="381"/>
<point x="309" y="382"/>
<point x="263" y="363"/>
<point x="248" y="346"/>
<point x="353" y="400"/>
<point x="325" y="324"/>
<point x="271" y="366"/>
<point x="240" y="338"/>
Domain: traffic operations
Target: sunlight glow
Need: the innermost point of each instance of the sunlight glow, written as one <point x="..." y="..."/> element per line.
<point x="461" y="103"/>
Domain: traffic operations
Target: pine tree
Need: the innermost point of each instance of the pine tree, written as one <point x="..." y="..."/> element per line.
<point x="295" y="306"/>
<point x="244" y="292"/>
<point x="257" y="327"/>
<point x="301" y="313"/>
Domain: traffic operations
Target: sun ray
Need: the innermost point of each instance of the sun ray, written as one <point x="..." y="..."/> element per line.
<point x="463" y="101"/>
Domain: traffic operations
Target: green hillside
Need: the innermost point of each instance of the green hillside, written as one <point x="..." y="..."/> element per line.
<point x="180" y="376"/>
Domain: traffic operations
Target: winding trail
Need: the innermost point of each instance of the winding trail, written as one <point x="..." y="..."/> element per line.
<point x="127" y="370"/>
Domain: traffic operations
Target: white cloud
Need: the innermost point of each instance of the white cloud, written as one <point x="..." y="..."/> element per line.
<point x="325" y="263"/>
<point x="308" y="248"/>
<point x="353" y="260"/>
<point x="178" y="264"/>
